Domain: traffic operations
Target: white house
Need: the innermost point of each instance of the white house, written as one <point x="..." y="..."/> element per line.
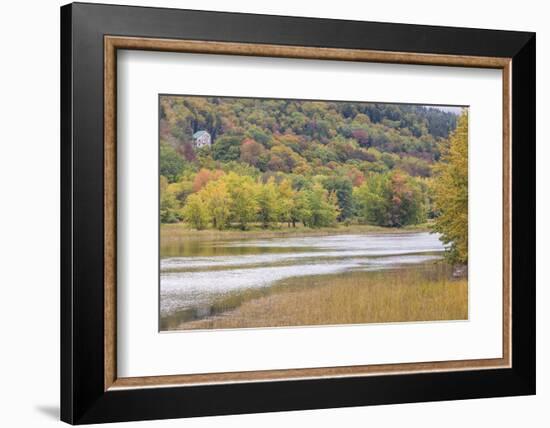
<point x="202" y="139"/>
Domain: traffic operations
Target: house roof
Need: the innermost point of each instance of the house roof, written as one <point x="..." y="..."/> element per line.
<point x="199" y="134"/>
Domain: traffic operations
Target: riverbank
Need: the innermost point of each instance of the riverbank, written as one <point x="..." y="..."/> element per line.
<point x="402" y="295"/>
<point x="178" y="231"/>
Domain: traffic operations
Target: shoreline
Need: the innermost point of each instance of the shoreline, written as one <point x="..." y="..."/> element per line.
<point x="177" y="231"/>
<point x="402" y="295"/>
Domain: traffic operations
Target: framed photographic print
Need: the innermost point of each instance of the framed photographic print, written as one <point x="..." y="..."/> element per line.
<point x="265" y="213"/>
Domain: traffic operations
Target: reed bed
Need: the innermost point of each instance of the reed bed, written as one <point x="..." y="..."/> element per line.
<point x="426" y="293"/>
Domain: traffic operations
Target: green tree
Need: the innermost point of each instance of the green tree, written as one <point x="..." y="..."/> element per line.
<point x="371" y="200"/>
<point x="392" y="199"/>
<point x="259" y="135"/>
<point x="343" y="189"/>
<point x="300" y="211"/>
<point x="322" y="207"/>
<point x="195" y="212"/>
<point x="171" y="163"/>
<point x="227" y="148"/>
<point x="267" y="203"/>
<point x="451" y="193"/>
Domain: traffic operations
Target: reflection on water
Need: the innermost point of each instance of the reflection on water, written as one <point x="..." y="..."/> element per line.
<point x="195" y="275"/>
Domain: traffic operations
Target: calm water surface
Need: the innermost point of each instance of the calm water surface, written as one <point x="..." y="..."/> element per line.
<point x="196" y="275"/>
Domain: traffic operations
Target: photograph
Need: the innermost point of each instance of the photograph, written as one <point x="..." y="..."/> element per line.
<point x="288" y="212"/>
<point x="261" y="212"/>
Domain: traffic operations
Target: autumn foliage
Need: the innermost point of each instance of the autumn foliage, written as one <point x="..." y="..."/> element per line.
<point x="275" y="163"/>
<point x="451" y="193"/>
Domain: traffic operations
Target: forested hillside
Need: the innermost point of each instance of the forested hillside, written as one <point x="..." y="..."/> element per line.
<point x="274" y="162"/>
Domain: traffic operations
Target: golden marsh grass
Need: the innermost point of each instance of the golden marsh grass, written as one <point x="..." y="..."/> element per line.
<point x="422" y="293"/>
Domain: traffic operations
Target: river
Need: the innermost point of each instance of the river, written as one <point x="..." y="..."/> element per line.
<point x="198" y="274"/>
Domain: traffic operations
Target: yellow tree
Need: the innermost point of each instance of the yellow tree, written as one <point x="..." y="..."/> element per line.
<point x="243" y="195"/>
<point x="451" y="193"/>
<point x="267" y="199"/>
<point x="196" y="212"/>
<point x="169" y="205"/>
<point x="218" y="202"/>
<point x="286" y="201"/>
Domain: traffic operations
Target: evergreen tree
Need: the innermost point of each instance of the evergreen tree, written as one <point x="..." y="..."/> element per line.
<point x="343" y="189"/>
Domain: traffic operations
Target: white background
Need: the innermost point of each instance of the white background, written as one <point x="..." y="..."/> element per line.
<point x="142" y="351"/>
<point x="29" y="229"/>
